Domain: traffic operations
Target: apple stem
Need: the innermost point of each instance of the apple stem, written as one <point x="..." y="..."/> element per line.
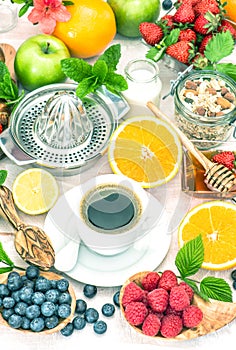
<point x="47" y="48"/>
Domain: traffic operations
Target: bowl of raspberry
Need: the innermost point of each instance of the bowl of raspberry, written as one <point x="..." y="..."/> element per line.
<point x="158" y="304"/>
<point x="35" y="301"/>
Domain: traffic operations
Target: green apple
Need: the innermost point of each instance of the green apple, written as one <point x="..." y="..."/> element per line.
<point x="129" y="14"/>
<point x="38" y="61"/>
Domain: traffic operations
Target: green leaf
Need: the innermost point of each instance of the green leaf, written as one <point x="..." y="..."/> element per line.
<point x="115" y="82"/>
<point x="86" y="86"/>
<point x="216" y="288"/>
<point x="100" y="70"/>
<point x="111" y="56"/>
<point x="221" y="45"/>
<point x="3" y="71"/>
<point x="228" y="69"/>
<point x="3" y="176"/>
<point x="67" y="3"/>
<point x="190" y="257"/>
<point x="195" y="288"/>
<point x="6" y="269"/>
<point x="4" y="257"/>
<point x="173" y="37"/>
<point x="24" y="9"/>
<point x="76" y="69"/>
<point x="155" y="54"/>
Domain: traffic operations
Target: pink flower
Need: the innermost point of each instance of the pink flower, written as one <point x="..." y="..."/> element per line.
<point x="47" y="12"/>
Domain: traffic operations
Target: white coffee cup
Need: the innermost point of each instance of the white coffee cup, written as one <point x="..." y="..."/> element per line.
<point x="119" y="206"/>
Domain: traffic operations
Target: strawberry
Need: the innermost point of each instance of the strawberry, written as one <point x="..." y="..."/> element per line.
<point x="151" y="32"/>
<point x="199" y="61"/>
<point x="168" y="21"/>
<point x="225" y="25"/>
<point x="181" y="51"/>
<point x="187" y="35"/>
<point x="204" y="6"/>
<point x="226" y="158"/>
<point x="184" y="14"/>
<point x="207" y="23"/>
<point x="1" y="128"/>
<point x="204" y="43"/>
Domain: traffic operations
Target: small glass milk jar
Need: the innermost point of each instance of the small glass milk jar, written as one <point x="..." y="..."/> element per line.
<point x="144" y="84"/>
<point x="205" y="107"/>
<point x="8" y="16"/>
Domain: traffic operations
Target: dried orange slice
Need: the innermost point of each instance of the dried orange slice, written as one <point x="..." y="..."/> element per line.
<point x="216" y="222"/>
<point x="145" y="149"/>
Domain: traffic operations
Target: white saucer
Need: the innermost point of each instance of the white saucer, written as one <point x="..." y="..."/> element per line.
<point x="109" y="271"/>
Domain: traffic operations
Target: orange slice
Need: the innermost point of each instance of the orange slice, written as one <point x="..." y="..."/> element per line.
<point x="216" y="222"/>
<point x="145" y="149"/>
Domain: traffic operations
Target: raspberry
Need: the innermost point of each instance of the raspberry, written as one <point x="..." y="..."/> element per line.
<point x="171" y="326"/>
<point x="192" y="316"/>
<point x="135" y="313"/>
<point x="226" y="158"/>
<point x="168" y="280"/>
<point x="170" y="311"/>
<point x="151" y="325"/>
<point x="179" y="299"/>
<point x="150" y="281"/>
<point x="158" y="299"/>
<point x="188" y="290"/>
<point x="132" y="292"/>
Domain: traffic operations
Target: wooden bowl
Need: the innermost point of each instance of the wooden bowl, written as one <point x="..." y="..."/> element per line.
<point x="63" y="322"/>
<point x="216" y="314"/>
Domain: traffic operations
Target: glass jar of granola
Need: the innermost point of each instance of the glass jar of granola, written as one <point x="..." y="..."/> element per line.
<point x="205" y="106"/>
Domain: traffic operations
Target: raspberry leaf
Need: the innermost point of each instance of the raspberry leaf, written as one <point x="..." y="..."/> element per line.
<point x="190" y="257"/>
<point x="4" y="257"/>
<point x="216" y="288"/>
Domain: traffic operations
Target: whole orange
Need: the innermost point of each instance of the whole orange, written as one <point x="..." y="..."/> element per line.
<point x="89" y="31"/>
<point x="230" y="8"/>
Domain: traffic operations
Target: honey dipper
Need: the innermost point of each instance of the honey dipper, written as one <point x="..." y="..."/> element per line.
<point x="217" y="177"/>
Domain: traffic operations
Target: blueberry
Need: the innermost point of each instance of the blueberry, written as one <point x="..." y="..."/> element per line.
<point x="108" y="309"/>
<point x="166" y="5"/>
<point x="6" y="313"/>
<point x="38" y="298"/>
<point x="25" y="323"/>
<point x="90" y="291"/>
<point x="16" y="295"/>
<point x="234" y="284"/>
<point x="0" y="302"/>
<point x="79" y="322"/>
<point x="81" y="306"/>
<point x="15" y="321"/>
<point x="65" y="298"/>
<point x="53" y="284"/>
<point x="37" y="324"/>
<point x="26" y="294"/>
<point x="4" y="291"/>
<point x="64" y="310"/>
<point x="100" y="327"/>
<point x="67" y="330"/>
<point x="32" y="311"/>
<point x="8" y="302"/>
<point x="28" y="283"/>
<point x="48" y="308"/>
<point x="91" y="315"/>
<point x="51" y="322"/>
<point x="233" y="274"/>
<point x="14" y="281"/>
<point x="20" y="308"/>
<point x="42" y="284"/>
<point x="62" y="285"/>
<point x="52" y="295"/>
<point x="116" y="298"/>
<point x="32" y="272"/>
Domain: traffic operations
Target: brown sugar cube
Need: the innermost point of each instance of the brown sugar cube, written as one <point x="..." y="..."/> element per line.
<point x="225" y="104"/>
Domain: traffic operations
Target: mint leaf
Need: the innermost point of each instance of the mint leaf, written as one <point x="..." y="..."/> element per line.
<point x="190" y="257"/>
<point x="76" y="69"/>
<point x="4" y="257"/>
<point x="115" y="82"/>
<point x="111" y="56"/>
<point x="228" y="69"/>
<point x="173" y="37"/>
<point x="220" y="46"/>
<point x="216" y="288"/>
<point x="155" y="53"/>
<point x="3" y="176"/>
<point x="8" y="89"/>
<point x="100" y="70"/>
<point x="86" y="86"/>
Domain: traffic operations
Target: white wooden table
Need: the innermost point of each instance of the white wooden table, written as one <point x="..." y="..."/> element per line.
<point x="176" y="203"/>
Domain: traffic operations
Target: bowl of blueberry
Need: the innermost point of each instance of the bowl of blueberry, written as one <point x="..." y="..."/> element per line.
<point x="36" y="301"/>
